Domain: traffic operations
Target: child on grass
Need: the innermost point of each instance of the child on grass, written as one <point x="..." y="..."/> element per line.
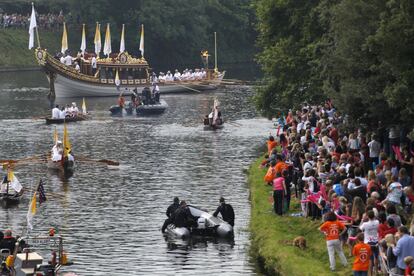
<point x="362" y="253"/>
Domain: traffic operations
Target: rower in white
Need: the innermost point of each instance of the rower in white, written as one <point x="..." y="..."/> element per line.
<point x="56" y="112"/>
<point x="169" y="76"/>
<point x="177" y="75"/>
<point x="57" y="152"/>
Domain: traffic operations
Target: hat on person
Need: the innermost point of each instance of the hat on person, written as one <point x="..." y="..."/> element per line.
<point x="74" y="104"/>
<point x="222" y="199"/>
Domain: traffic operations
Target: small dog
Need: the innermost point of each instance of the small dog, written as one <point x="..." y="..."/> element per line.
<point x="299" y="242"/>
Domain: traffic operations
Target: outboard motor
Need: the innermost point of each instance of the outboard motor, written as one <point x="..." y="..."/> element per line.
<point x="201" y="223"/>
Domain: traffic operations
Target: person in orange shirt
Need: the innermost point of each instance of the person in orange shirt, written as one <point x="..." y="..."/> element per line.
<point x="332" y="229"/>
<point x="271" y="173"/>
<point x="271" y="144"/>
<point x="280" y="165"/>
<point x="362" y="253"/>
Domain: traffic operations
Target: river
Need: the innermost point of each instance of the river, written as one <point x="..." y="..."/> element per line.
<point x="110" y="218"/>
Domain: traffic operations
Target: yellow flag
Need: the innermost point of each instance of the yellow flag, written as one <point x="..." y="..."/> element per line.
<point x="31" y="212"/>
<point x="117" y="81"/>
<point x="141" y="43"/>
<point x="66" y="143"/>
<point x="122" y="45"/>
<point x="97" y="39"/>
<point x="83" y="43"/>
<point x="64" y="39"/>
<point x="55" y="136"/>
<point x="10" y="175"/>
<point x="107" y="46"/>
<point x="83" y="106"/>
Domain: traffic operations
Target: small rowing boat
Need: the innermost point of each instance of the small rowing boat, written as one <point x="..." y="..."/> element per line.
<point x="50" y="120"/>
<point x="11" y="191"/>
<point x="214" y="121"/>
<point x="61" y="158"/>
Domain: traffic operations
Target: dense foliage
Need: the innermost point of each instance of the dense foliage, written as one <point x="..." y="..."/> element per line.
<point x="360" y="53"/>
<point x="175" y="31"/>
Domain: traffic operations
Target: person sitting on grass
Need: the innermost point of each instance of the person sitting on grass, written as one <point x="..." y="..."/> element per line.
<point x="332" y="229"/>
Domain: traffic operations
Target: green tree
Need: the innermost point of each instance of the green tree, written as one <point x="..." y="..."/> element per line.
<point x="394" y="44"/>
<point x="289" y="35"/>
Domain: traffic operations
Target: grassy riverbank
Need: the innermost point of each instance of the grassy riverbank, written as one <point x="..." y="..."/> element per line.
<point x="271" y="235"/>
<point x="14" y="47"/>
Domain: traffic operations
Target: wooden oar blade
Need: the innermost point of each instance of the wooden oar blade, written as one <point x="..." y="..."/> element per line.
<point x="109" y="162"/>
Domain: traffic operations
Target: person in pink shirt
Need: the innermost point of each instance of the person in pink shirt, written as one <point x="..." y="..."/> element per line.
<point x="279" y="192"/>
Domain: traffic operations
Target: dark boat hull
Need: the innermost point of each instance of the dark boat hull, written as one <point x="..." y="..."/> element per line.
<point x="10" y="199"/>
<point x="50" y="121"/>
<point x="152" y="109"/>
<point x="67" y="167"/>
<point x="207" y="225"/>
<point x="116" y="110"/>
<point x="213" y="127"/>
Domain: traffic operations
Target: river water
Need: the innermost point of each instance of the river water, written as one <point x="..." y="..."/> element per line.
<point x="110" y="218"/>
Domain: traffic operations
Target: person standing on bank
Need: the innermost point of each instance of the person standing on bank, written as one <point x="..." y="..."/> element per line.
<point x="404" y="248"/>
<point x="226" y="211"/>
<point x="332" y="229"/>
<point x="170" y="211"/>
<point x="279" y="192"/>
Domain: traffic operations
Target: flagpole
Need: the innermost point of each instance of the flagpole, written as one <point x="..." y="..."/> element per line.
<point x="215" y="52"/>
<point x="37" y="36"/>
<point x="30" y="204"/>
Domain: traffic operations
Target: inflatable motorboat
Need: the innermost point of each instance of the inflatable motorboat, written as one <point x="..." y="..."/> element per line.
<point x="207" y="224"/>
<point x="152" y="109"/>
<point x="116" y="110"/>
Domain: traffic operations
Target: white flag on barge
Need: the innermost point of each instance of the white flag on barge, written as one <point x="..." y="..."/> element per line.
<point x="107" y="46"/>
<point x="32" y="26"/>
<point x="97" y="39"/>
<point x="64" y="39"/>
<point x="83" y="43"/>
<point x="122" y="45"/>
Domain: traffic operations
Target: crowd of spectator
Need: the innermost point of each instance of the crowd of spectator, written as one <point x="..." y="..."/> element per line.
<point x="358" y="183"/>
<point x="48" y="21"/>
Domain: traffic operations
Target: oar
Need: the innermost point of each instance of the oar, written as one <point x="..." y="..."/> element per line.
<point x="106" y="161"/>
<point x="186" y="87"/>
<point x="13" y="161"/>
<point x="234" y="124"/>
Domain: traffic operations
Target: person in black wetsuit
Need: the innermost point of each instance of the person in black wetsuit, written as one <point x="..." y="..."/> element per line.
<point x="226" y="211"/>
<point x="170" y="212"/>
<point x="183" y="218"/>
